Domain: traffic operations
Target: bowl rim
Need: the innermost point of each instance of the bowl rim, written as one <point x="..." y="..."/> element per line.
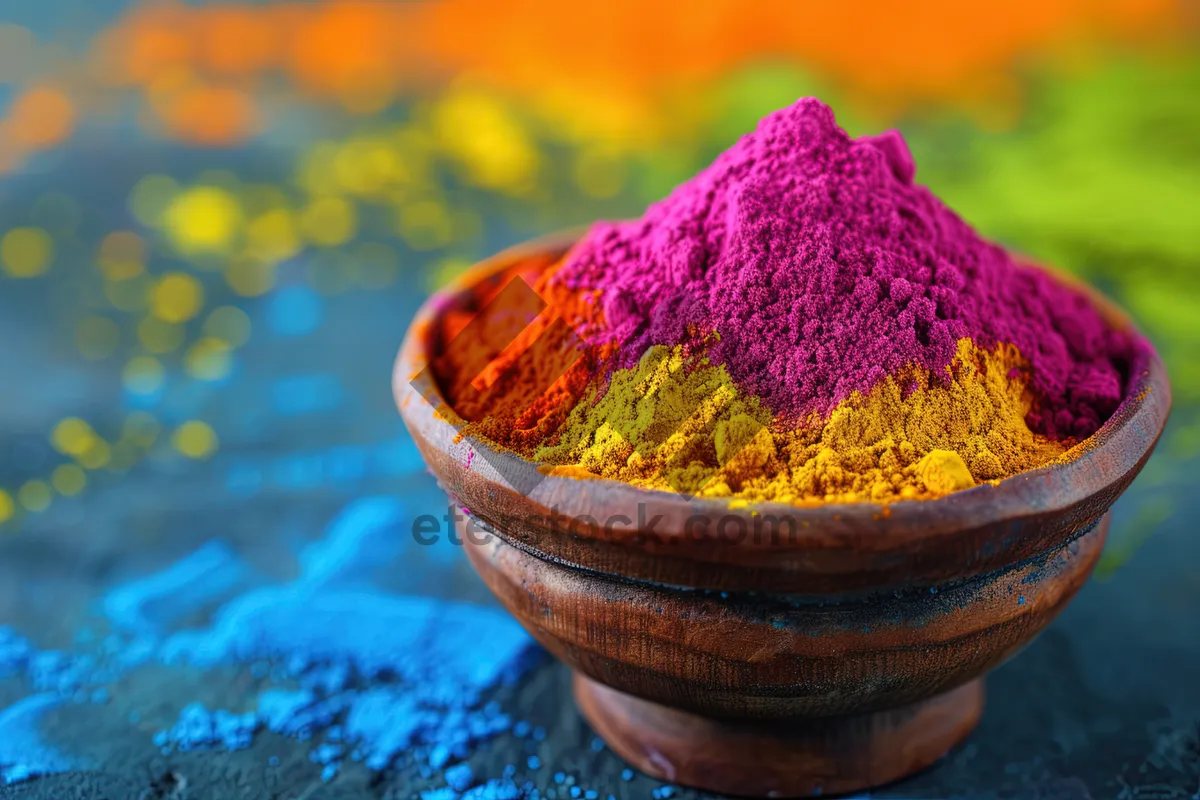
<point x="1108" y="459"/>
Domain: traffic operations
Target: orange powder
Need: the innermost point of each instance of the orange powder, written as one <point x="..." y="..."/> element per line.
<point x="510" y="361"/>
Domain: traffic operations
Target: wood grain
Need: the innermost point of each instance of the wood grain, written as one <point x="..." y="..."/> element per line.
<point x="801" y="758"/>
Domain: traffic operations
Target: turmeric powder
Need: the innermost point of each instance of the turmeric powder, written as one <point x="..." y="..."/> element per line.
<point x="911" y="437"/>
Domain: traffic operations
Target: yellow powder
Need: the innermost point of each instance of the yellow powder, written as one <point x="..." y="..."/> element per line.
<point x="656" y="421"/>
<point x="675" y="422"/>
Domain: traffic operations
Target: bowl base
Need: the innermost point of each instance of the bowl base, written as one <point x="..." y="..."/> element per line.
<point x="803" y="758"/>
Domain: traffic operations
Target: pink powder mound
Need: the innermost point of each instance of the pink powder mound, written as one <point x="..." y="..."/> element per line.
<point x="823" y="268"/>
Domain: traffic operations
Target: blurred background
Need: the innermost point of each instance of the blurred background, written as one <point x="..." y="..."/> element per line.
<point x="187" y="190"/>
<point x="217" y="218"/>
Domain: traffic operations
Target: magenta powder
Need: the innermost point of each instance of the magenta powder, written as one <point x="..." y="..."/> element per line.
<point x="823" y="268"/>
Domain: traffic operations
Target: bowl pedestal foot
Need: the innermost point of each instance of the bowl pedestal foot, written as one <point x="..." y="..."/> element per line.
<point x="802" y="758"/>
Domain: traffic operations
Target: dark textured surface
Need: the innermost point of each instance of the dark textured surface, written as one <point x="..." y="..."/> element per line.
<point x="1106" y="704"/>
<point x="1046" y="734"/>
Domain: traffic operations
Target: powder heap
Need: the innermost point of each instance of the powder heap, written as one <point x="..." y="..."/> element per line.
<point x="798" y="322"/>
<point x="910" y="438"/>
<point x="824" y="268"/>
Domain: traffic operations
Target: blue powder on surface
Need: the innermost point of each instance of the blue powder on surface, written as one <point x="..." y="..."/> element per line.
<point x="439" y="756"/>
<point x="23" y="754"/>
<point x="430" y="661"/>
<point x="460" y="777"/>
<point x="143" y="606"/>
<point x="326" y="754"/>
<point x="329" y="756"/>
<point x="387" y="721"/>
<point x="329" y="644"/>
<point x="444" y="793"/>
<point x="298" y="714"/>
<point x="198" y="729"/>
<point x="59" y="671"/>
<point x="386" y="674"/>
<point x="499" y="789"/>
<point x="278" y="707"/>
<point x="456" y="648"/>
<point x="367" y="532"/>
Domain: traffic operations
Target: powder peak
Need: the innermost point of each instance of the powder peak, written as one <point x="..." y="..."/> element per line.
<point x="822" y="268"/>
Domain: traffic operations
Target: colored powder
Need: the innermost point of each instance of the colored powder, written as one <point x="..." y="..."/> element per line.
<point x="353" y="667"/>
<point x="496" y="789"/>
<point x="199" y="728"/>
<point x="429" y="661"/>
<point x="911" y="437"/>
<point x="510" y="365"/>
<point x="460" y="777"/>
<point x="212" y="569"/>
<point x="799" y="322"/>
<point x="23" y="754"/>
<point x="57" y="678"/>
<point x="823" y="268"/>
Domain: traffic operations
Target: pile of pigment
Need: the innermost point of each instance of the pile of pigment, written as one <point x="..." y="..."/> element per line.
<point x="801" y="322"/>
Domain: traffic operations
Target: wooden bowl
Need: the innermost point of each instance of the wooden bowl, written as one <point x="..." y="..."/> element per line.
<point x="774" y="650"/>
